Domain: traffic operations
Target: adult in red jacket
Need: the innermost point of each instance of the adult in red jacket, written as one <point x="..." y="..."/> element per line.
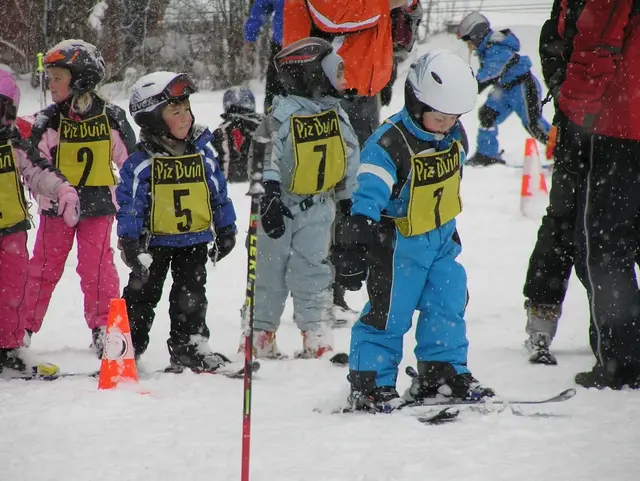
<point x="601" y="101"/>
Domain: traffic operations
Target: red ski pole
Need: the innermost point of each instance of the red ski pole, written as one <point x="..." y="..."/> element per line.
<point x="256" y="190"/>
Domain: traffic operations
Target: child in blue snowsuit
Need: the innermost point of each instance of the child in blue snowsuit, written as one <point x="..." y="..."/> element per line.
<point x="403" y="216"/>
<point x="515" y="87"/>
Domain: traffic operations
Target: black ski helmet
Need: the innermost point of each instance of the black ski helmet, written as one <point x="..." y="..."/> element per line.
<point x="83" y="60"/>
<point x="300" y="68"/>
<point x="152" y="92"/>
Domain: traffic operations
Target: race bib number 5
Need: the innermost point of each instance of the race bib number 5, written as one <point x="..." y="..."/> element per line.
<point x="181" y="202"/>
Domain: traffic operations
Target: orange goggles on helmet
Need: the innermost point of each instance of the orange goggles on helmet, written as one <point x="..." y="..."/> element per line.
<point x="180" y="87"/>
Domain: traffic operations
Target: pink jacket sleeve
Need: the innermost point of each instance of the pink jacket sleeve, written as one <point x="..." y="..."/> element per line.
<point x="119" y="151"/>
<point x="39" y="176"/>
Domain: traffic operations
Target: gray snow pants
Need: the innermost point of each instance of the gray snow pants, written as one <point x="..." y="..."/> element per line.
<point x="296" y="263"/>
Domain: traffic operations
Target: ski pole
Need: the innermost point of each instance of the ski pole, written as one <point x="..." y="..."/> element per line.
<point x="43" y="87"/>
<point x="256" y="190"/>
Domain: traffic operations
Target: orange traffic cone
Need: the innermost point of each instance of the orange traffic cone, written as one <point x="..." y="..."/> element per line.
<point x="533" y="181"/>
<point x="118" y="363"/>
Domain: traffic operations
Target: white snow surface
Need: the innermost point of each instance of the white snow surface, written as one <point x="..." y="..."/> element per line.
<point x="188" y="427"/>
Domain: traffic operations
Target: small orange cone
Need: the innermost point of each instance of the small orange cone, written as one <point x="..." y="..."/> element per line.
<point x="532" y="169"/>
<point x="118" y="363"/>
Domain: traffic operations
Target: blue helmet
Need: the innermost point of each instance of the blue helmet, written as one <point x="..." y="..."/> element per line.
<point x="239" y="97"/>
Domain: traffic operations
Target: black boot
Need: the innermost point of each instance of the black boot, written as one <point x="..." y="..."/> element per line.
<point x="196" y="356"/>
<point x="601" y="377"/>
<point x="440" y="379"/>
<point x="366" y="396"/>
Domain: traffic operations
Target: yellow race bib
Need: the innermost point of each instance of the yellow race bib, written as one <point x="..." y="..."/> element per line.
<point x="84" y="151"/>
<point x="434" y="197"/>
<point x="180" y="197"/>
<point x="13" y="208"/>
<point x="319" y="153"/>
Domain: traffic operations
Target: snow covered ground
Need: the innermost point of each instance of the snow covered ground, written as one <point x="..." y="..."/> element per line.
<point x="189" y="427"/>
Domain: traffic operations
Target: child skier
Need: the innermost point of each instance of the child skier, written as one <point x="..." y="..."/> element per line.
<point x="82" y="135"/>
<point x="173" y="203"/>
<point x="233" y="137"/>
<point x="310" y="165"/>
<point x="403" y="215"/>
<point x="515" y="87"/>
<point x="19" y="162"/>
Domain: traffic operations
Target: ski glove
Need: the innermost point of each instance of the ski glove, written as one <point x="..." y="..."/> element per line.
<point x="350" y="252"/>
<point x="273" y="211"/>
<point x="134" y="256"/>
<point x="68" y="205"/>
<point x="573" y="145"/>
<point x="224" y="243"/>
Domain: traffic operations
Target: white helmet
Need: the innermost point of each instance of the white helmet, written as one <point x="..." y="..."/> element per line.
<point x="152" y="92"/>
<point x="473" y="28"/>
<point x="442" y="81"/>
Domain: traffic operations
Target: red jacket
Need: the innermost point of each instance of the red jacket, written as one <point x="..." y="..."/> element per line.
<point x="359" y="29"/>
<point x="602" y="86"/>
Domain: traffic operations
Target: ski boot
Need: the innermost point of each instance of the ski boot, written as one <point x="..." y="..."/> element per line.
<point x="195" y="355"/>
<point x="341" y="314"/>
<point x="440" y="381"/>
<point x="316" y="343"/>
<point x="264" y="345"/>
<point x="366" y="396"/>
<point x="542" y="324"/>
<point x="17" y="363"/>
<point x="98" y="335"/>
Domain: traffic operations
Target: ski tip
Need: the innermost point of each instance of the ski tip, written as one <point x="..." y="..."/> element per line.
<point x="443" y="416"/>
<point x="568" y="393"/>
<point x="411" y="372"/>
<point x="340" y="359"/>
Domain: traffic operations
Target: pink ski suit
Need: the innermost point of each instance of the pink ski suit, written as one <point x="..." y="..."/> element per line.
<point x="16" y="166"/>
<point x="103" y="125"/>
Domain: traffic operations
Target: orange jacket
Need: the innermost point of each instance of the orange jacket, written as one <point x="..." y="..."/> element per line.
<point x="360" y="30"/>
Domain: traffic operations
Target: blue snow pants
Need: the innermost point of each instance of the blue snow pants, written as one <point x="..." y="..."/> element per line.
<point x="408" y="274"/>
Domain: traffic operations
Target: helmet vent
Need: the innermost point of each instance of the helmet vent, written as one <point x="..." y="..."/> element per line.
<point x="436" y="77"/>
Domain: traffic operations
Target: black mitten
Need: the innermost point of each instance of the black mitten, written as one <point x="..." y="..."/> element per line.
<point x="130" y="250"/>
<point x="273" y="211"/>
<point x="224" y="243"/>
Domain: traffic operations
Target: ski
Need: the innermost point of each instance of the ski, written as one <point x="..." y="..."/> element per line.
<point x="50" y="377"/>
<point x="487" y="402"/>
<point x="232" y="372"/>
<point x="340" y="359"/>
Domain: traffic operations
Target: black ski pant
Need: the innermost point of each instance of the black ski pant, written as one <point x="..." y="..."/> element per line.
<point x="606" y="241"/>
<point x="273" y="85"/>
<point x="553" y="255"/>
<point x="187" y="299"/>
<point x="364" y="115"/>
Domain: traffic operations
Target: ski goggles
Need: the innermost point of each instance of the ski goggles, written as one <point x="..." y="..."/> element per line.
<point x="180" y="87"/>
<point x="177" y="90"/>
